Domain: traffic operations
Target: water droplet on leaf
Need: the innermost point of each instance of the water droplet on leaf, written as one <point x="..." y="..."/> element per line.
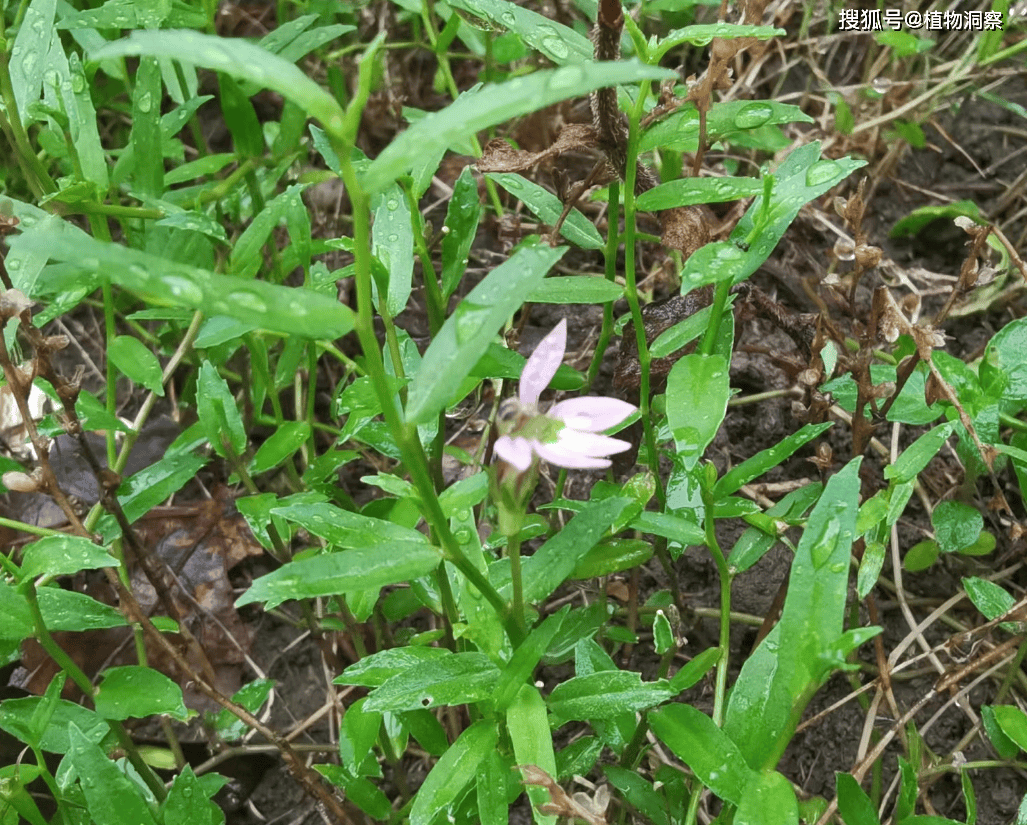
<point x="880" y="84"/>
<point x="821" y="172"/>
<point x="753" y="115"/>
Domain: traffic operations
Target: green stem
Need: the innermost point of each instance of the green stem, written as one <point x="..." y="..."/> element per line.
<point x="513" y="552"/>
<point x="720" y="297"/>
<point x="631" y="290"/>
<point x="720" y="689"/>
<point x="405" y="434"/>
<point x="56" y="652"/>
<point x="610" y="260"/>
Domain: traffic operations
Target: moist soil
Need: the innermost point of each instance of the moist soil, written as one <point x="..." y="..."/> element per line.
<point x="967" y="142"/>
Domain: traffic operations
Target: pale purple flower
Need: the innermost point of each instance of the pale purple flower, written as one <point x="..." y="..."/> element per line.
<point x="568" y="434"/>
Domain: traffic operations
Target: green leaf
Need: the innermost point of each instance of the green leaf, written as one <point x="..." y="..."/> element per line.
<point x="916" y="220"/>
<point x="134" y="691"/>
<point x="17" y="715"/>
<point x="791" y="663"/>
<point x="467" y="333"/>
<point x="767" y="459"/>
<point x="146" y="489"/>
<point x="770" y="800"/>
<point x="698" y="389"/>
<point x="802" y="177"/>
<point x="476" y="110"/>
<point x="853" y="803"/>
<point x="30" y="49"/>
<point x="691" y="673"/>
<point x="148" y="154"/>
<point x="576" y="289"/>
<point x="606" y="693"/>
<point x="754" y="542"/>
<point x="392" y="242"/>
<point x="240" y="118"/>
<point x="462" y="216"/>
<point x="671" y="527"/>
<point x="956" y="525"/>
<point x="63" y="556"/>
<point x="135" y="361"/>
<point x="681" y="129"/>
<point x="991" y="600"/>
<point x="343" y="528"/>
<point x="236" y="57"/>
<point x="291" y="311"/>
<point x="1004" y="746"/>
<point x="555" y="560"/>
<point x="526" y="658"/>
<point x="1003" y="370"/>
<point x="690" y="191"/>
<point x="456" y="679"/>
<point x="246" y="257"/>
<point x="222" y="423"/>
<point x="491" y="785"/>
<point x="446" y="781"/>
<point x="187" y="804"/>
<point x="918" y="454"/>
<point x="251" y="696"/>
<point x="332" y="573"/>
<point x="111" y="797"/>
<point x="639" y="792"/>
<point x="528" y="725"/>
<point x="705" y="748"/>
<point x="71" y="610"/>
<point x="703" y="34"/>
<point x="285" y="441"/>
<point x="612" y="555"/>
<point x="559" y="43"/>
<point x="576" y="228"/>
<point x="870" y="567"/>
<point x="375" y="670"/>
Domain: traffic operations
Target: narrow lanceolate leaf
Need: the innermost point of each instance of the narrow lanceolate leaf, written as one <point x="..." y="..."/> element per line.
<point x="28" y="55"/>
<point x="292" y="311"/>
<point x="467" y="333"/>
<point x="392" y="241"/>
<point x="559" y="43"/>
<point x="705" y="748"/>
<point x="606" y="693"/>
<point x="236" y="57"/>
<point x="779" y="679"/>
<point x="528" y="725"/>
<point x="698" y="390"/>
<point x="462" y="217"/>
<point x="110" y="796"/>
<point x="452" y="773"/>
<point x="576" y="228"/>
<point x="456" y="679"/>
<point x="361" y="569"/>
<point x="484" y="107"/>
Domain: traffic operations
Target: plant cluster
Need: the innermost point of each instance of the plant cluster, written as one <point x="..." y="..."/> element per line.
<point x="448" y="593"/>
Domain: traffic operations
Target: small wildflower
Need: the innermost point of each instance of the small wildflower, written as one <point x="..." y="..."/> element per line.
<point x="568" y="434"/>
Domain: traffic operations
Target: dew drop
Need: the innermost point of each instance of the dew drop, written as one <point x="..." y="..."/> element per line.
<point x="753" y="115"/>
<point x="392" y="204"/>
<point x="844" y="250"/>
<point x="508" y="19"/>
<point x="569" y="77"/>
<point x="145" y="102"/>
<point x="248" y="300"/>
<point x="821" y="172"/>
<point x="880" y="84"/>
<point x="183" y="289"/>
<point x="393" y="237"/>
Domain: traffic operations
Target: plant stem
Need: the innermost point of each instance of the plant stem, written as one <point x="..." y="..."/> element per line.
<point x="720" y="690"/>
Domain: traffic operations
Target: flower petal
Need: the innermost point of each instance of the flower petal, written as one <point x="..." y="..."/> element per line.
<point x="542" y="365"/>
<point x="561" y="456"/>
<point x="590" y="444"/>
<point x="514" y="451"/>
<point x="591" y="414"/>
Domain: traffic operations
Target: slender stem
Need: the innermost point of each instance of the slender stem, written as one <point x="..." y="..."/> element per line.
<point x="720" y="297"/>
<point x="631" y="291"/>
<point x="610" y="259"/>
<point x="57" y="653"/>
<point x="513" y="552"/>
<point x="720" y="689"/>
<point x="405" y="434"/>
